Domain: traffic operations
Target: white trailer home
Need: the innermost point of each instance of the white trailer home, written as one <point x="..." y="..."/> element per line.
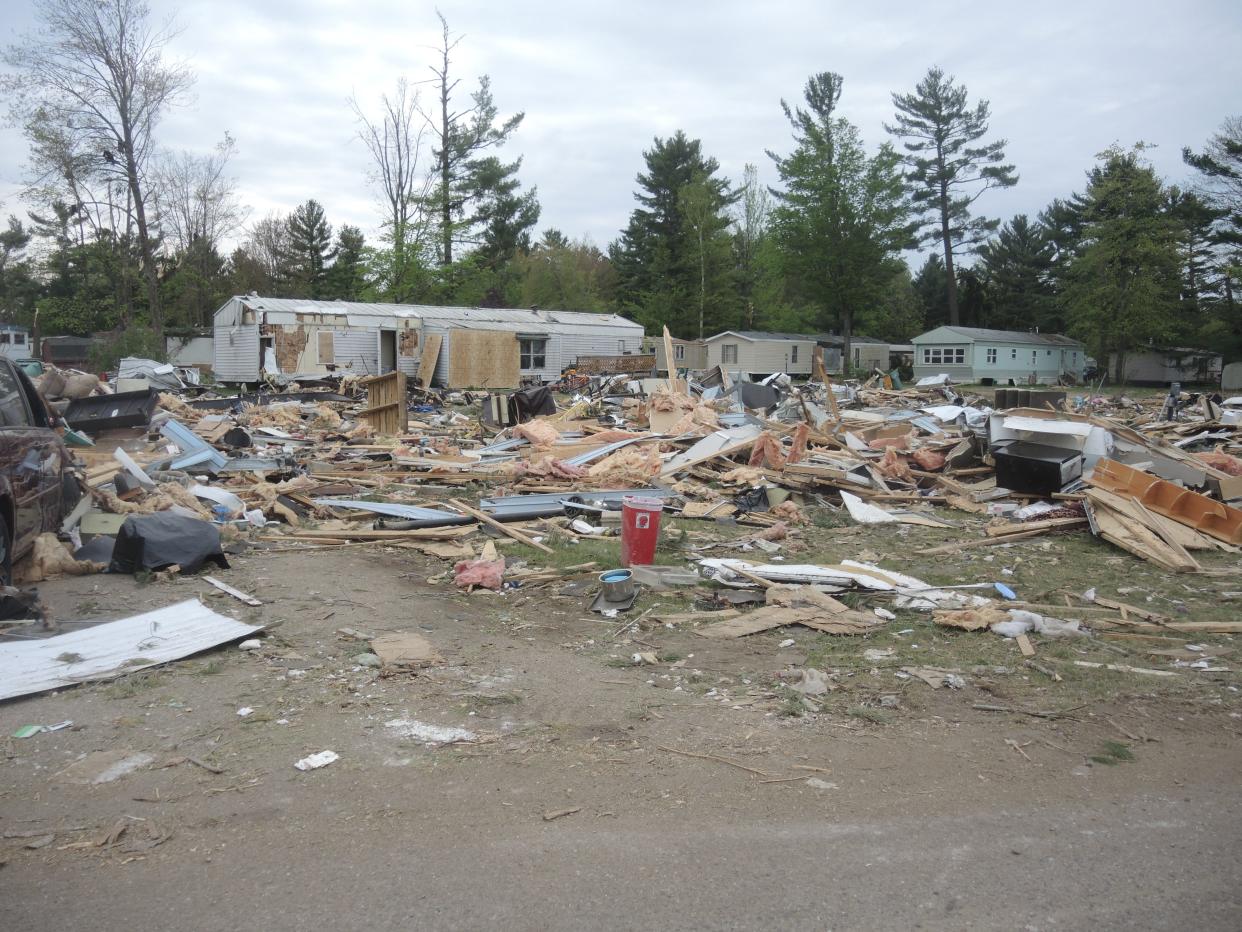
<point x="480" y="347"/>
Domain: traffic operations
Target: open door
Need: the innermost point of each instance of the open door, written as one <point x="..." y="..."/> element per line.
<point x="387" y="350"/>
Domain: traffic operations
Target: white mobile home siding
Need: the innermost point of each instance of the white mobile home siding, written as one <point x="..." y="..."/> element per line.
<point x="357" y="351"/>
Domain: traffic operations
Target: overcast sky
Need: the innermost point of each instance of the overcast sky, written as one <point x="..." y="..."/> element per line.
<point x="598" y="81"/>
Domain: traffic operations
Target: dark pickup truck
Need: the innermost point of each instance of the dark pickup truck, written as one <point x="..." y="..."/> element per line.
<point x="37" y="486"/>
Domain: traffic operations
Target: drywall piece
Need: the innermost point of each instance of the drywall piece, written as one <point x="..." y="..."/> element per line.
<point x="115" y="647"/>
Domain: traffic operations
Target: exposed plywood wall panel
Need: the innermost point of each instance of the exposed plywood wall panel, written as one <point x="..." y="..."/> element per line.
<point x="327" y="348"/>
<point x="408" y="343"/>
<point x="427" y="364"/>
<point x="483" y="359"/>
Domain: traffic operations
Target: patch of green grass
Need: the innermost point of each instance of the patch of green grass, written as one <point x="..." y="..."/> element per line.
<point x="129" y="686"/>
<point x="1114" y="752"/>
<point x="868" y="714"/>
<point x="210" y="668"/>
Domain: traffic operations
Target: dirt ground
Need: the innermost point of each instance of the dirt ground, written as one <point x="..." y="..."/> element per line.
<point x="695" y="792"/>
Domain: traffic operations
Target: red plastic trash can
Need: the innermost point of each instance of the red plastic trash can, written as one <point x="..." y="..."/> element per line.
<point x="640" y="529"/>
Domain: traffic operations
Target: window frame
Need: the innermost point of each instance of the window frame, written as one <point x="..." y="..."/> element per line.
<point x="728" y="350"/>
<point x="793" y="353"/>
<point x="993" y="354"/>
<point x="679" y="351"/>
<point x="532" y="357"/>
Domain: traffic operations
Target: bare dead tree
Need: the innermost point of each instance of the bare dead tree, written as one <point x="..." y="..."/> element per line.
<point x="96" y="69"/>
<point x="197" y="198"/>
<point x="394" y="142"/>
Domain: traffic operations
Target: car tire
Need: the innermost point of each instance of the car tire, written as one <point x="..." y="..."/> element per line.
<point x="6" y="557"/>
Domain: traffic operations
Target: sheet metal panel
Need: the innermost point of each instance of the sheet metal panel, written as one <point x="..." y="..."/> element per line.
<point x="115" y="647"/>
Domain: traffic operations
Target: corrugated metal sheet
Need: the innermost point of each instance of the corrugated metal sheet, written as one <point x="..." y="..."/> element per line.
<point x="476" y="317"/>
<point x="116" y="647"/>
<point x="235" y="356"/>
<point x="357" y="350"/>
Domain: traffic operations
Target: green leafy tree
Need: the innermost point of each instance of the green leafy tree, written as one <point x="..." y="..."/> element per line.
<point x="310" y="248"/>
<point x="948" y="166"/>
<point x="898" y="316"/>
<point x="842" y="217"/>
<point x="1123" y="287"/>
<point x="1016" y="269"/>
<point x="18" y="285"/>
<point x="674" y="256"/>
<point x="561" y="274"/>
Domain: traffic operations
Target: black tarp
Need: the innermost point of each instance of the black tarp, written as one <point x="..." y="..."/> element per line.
<point x="158" y="541"/>
<point x="531" y="403"/>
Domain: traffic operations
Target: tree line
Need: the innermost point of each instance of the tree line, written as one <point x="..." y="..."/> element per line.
<point x="123" y="235"/>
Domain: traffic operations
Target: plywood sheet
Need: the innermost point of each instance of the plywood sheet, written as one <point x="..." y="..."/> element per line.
<point x="483" y="359"/>
<point x="427" y="362"/>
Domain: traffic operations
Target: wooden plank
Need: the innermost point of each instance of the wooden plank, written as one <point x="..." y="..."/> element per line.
<point x="427" y="361"/>
<point x="670" y="362"/>
<point x="1025" y="645"/>
<point x="387" y="411"/>
<point x="505" y="529"/>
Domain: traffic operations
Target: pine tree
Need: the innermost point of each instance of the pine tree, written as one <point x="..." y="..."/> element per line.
<point x="1016" y="268"/>
<point x="947" y="168"/>
<point x="842" y="218"/>
<point x="673" y="257"/>
<point x="474" y="200"/>
<point x="1123" y="287"/>
<point x="346" y="279"/>
<point x="310" y="248"/>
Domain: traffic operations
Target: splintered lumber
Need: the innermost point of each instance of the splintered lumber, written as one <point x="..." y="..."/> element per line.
<point x="503" y="528"/>
<point x="1125" y="523"/>
<point x="387" y="411"/>
<point x="980" y="542"/>
<point x="669" y="362"/>
<point x="1005" y="530"/>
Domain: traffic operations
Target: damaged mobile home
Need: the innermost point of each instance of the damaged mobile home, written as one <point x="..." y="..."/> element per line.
<point x="468" y="347"/>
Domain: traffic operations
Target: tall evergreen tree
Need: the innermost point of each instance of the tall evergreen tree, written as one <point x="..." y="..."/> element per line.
<point x="346" y="279"/>
<point x="310" y="248"/>
<point x="474" y="198"/>
<point x="842" y="218"/>
<point x="1123" y="287"/>
<point x="948" y="166"/>
<point x="931" y="289"/>
<point x="1016" y="268"/>
<point x="674" y="255"/>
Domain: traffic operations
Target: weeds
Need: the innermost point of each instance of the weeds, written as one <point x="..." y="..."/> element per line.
<point x="1114" y="752"/>
<point x="868" y="714"/>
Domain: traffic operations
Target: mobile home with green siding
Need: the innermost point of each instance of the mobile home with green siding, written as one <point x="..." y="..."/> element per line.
<point x="997" y="357"/>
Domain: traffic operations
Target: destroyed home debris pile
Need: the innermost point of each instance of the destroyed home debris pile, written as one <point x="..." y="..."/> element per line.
<point x="178" y="475"/>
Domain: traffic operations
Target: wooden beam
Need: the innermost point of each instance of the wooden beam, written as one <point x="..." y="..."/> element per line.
<point x="492" y="522"/>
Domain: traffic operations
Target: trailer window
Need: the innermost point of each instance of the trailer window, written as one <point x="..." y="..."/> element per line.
<point x="728" y="353"/>
<point x="533" y="354"/>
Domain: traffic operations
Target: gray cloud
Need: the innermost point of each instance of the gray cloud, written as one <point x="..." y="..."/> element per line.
<point x="599" y="81"/>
